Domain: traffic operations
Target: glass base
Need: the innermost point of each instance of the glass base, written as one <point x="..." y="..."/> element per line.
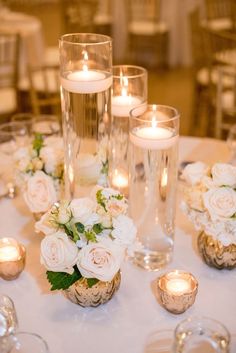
<point x="152" y="260"/>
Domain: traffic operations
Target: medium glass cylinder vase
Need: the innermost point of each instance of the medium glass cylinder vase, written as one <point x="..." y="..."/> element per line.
<point x="154" y="131"/>
<point x="86" y="79"/>
<point x="129" y="90"/>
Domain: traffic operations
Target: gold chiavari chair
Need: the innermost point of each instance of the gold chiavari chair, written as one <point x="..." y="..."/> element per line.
<point x="222" y="55"/>
<point x="147" y="34"/>
<point x="220" y="14"/>
<point x="78" y="15"/>
<point x="44" y="89"/>
<point x="9" y="65"/>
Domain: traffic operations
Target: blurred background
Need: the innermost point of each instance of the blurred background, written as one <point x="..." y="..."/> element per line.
<point x="188" y="47"/>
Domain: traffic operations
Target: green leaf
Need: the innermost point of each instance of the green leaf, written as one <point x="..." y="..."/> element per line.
<point x="118" y="197"/>
<point x="80" y="227"/>
<point x="98" y="228"/>
<point x="62" y="280"/>
<point x="38" y="142"/>
<point x="101" y="199"/>
<point x="90" y="236"/>
<point x="92" y="281"/>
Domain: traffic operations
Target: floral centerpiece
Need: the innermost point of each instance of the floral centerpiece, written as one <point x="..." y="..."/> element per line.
<point x="210" y="203"/>
<point x="86" y="240"/>
<point x="39" y="172"/>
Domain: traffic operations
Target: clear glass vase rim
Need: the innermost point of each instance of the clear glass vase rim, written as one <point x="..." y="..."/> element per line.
<point x="143" y="71"/>
<point x="106" y="39"/>
<point x="202" y="319"/>
<point x="147" y="107"/>
<point x="32" y="334"/>
<point x="12" y="124"/>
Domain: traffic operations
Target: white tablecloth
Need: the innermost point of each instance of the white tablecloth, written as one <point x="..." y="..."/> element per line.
<point x="124" y="323"/>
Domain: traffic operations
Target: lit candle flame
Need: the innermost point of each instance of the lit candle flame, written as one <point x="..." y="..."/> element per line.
<point x="154" y="122"/>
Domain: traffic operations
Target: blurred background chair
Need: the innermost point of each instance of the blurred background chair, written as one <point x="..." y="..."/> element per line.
<point x="78" y="15"/>
<point x="220" y="14"/>
<point x="103" y="17"/>
<point x="43" y="86"/>
<point x="147" y="34"/>
<point x="9" y="64"/>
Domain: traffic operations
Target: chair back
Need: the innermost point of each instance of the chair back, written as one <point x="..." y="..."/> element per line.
<point x="78" y="15"/>
<point x="9" y="60"/>
<point x="45" y="89"/>
<point x="199" y="55"/>
<point x="219" y="9"/>
<point x="144" y="10"/>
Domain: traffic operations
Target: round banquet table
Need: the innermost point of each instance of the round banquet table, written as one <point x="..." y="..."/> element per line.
<point x="125" y="323"/>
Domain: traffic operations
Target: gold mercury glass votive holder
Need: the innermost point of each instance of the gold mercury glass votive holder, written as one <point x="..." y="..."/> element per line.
<point x="12" y="258"/>
<point x="177" y="291"/>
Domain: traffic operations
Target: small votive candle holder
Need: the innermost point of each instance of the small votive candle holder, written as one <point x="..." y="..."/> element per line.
<point x="177" y="291"/>
<point x="12" y="258"/>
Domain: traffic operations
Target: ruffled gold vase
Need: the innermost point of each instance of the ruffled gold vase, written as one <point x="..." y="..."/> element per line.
<point x="215" y="254"/>
<point x="101" y="292"/>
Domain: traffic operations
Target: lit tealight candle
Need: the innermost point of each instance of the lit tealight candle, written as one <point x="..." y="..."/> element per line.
<point x="12" y="258"/>
<point x="120" y="181"/>
<point x="153" y="137"/>
<point x="177" y="286"/>
<point x="123" y="104"/>
<point x="177" y="291"/>
<point x="86" y="81"/>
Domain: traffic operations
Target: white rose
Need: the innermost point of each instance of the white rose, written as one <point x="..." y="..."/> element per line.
<point x="220" y="203"/>
<point x="193" y="197"/>
<point x="100" y="260"/>
<point x="88" y="167"/>
<point x="52" y="154"/>
<point x="224" y="174"/>
<point x="83" y="211"/>
<point x="46" y="224"/>
<point x="194" y="172"/>
<point x="59" y="253"/>
<point x="64" y="213"/>
<point x="22" y="158"/>
<point x="116" y="207"/>
<point x="124" y="230"/>
<point x="40" y="193"/>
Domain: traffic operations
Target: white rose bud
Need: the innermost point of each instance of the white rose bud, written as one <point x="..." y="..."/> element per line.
<point x="59" y="253"/>
<point x="64" y="213"/>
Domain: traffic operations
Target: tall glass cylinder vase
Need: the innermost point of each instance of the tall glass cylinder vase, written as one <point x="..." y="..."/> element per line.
<point x="154" y="133"/>
<point x="86" y="79"/>
<point x="129" y="90"/>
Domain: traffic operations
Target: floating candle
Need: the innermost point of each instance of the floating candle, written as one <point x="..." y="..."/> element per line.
<point x="122" y="105"/>
<point x="87" y="81"/>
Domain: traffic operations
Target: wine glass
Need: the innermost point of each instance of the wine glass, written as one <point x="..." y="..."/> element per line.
<point x="12" y="136"/>
<point x="8" y="318"/>
<point x="201" y="334"/>
<point x="23" y="342"/>
<point x="231" y="142"/>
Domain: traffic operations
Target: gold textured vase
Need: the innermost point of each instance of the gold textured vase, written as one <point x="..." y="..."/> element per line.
<point x="80" y="293"/>
<point x="215" y="254"/>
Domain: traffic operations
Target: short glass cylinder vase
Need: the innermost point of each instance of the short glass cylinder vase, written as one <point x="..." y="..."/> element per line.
<point x="86" y="79"/>
<point x="215" y="254"/>
<point x="100" y="293"/>
<point x="201" y="334"/>
<point x="154" y="132"/>
<point x="129" y="90"/>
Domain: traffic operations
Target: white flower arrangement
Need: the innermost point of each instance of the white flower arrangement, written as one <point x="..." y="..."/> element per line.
<point x="210" y="199"/>
<point x="39" y="172"/>
<point x="87" y="237"/>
